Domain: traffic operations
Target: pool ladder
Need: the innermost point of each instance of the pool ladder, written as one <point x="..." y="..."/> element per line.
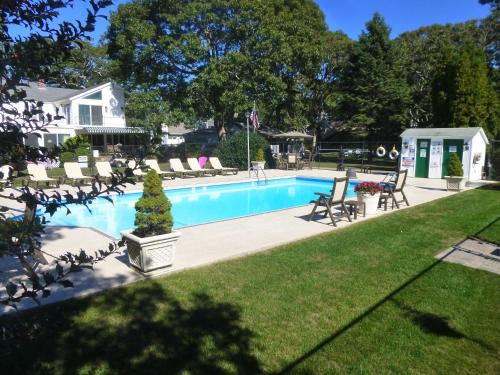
<point x="256" y="171"/>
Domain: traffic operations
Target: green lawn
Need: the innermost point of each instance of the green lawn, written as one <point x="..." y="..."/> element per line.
<point x="370" y="298"/>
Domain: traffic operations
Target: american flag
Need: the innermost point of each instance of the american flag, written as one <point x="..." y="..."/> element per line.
<point x="255" y="119"/>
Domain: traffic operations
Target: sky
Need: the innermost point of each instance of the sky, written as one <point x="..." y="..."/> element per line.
<point x="350" y="16"/>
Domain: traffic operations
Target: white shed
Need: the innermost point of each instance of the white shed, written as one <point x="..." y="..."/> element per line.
<point x="425" y="152"/>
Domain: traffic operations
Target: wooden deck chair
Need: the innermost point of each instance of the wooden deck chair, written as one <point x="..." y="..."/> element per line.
<point x="292" y="160"/>
<point x="215" y="163"/>
<point x="74" y="174"/>
<point x="390" y="190"/>
<point x="153" y="164"/>
<point x="138" y="173"/>
<point x="37" y="174"/>
<point x="195" y="166"/>
<point x="104" y="170"/>
<point x="5" y="173"/>
<point x="179" y="169"/>
<point x="330" y="201"/>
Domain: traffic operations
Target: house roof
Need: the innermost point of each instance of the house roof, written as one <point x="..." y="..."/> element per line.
<point x="178" y="130"/>
<point x="448" y="133"/>
<point x="50" y="94"/>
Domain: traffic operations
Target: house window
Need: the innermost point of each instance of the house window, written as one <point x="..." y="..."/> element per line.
<point x="52" y="140"/>
<point x="90" y="114"/>
<point x="94" y="96"/>
<point x="32" y="140"/>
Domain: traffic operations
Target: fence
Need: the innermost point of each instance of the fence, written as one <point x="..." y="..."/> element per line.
<point x="492" y="167"/>
<point x="362" y="154"/>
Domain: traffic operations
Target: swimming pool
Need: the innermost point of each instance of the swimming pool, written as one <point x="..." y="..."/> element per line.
<point x="200" y="204"/>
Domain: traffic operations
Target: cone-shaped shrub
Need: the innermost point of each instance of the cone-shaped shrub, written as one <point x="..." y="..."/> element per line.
<point x="455" y="166"/>
<point x="152" y="216"/>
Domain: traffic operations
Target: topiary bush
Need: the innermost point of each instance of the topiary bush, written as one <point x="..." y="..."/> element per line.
<point x="260" y="155"/>
<point x="233" y="151"/>
<point x="153" y="217"/>
<point x="455" y="166"/>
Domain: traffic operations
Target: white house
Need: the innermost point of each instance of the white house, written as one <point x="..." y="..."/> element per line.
<point x="425" y="152"/>
<point x="174" y="135"/>
<point x="97" y="111"/>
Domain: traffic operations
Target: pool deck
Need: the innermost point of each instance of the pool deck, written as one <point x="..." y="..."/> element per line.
<point x="208" y="243"/>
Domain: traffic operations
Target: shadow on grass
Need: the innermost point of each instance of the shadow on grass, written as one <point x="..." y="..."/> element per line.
<point x="429" y="323"/>
<point x="143" y="330"/>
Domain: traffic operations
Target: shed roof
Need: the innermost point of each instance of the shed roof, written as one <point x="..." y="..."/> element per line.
<point x="445" y="133"/>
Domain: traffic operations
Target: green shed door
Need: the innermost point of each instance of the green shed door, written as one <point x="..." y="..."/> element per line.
<point x="422" y="167"/>
<point x="450" y="146"/>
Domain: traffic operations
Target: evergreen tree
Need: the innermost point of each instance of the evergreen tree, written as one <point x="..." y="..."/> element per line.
<point x="463" y="95"/>
<point x="374" y="93"/>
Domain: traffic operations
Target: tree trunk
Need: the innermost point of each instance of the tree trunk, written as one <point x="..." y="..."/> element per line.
<point x="221" y="129"/>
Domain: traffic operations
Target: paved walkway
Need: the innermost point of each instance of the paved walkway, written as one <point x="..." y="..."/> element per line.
<point x="209" y="243"/>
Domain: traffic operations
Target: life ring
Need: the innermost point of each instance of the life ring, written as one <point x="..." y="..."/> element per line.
<point x="394" y="153"/>
<point x="380" y="151"/>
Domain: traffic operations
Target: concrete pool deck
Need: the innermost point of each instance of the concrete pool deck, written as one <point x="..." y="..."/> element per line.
<point x="208" y="243"/>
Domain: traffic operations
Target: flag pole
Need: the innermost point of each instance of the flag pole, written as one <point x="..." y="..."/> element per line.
<point x="248" y="144"/>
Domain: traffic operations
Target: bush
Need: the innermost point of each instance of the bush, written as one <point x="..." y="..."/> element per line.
<point x="153" y="216"/>
<point x="65" y="157"/>
<point x="260" y="155"/>
<point x="233" y="151"/>
<point x="82" y="151"/>
<point x="495" y="163"/>
<point x="73" y="143"/>
<point x="455" y="166"/>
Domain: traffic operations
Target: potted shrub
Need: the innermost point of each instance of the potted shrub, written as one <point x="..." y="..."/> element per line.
<point x="367" y="192"/>
<point x="151" y="244"/>
<point x="456" y="172"/>
<point x="260" y="161"/>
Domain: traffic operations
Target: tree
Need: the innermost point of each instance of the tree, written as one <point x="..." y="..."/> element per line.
<point x="424" y="52"/>
<point x="28" y="58"/>
<point x="84" y="67"/>
<point x="374" y="95"/>
<point x="148" y="110"/>
<point x="462" y="94"/>
<point x="219" y="57"/>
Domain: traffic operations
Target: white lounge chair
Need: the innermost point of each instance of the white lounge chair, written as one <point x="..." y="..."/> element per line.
<point x="74" y="174"/>
<point x="195" y="166"/>
<point x="104" y="170"/>
<point x="138" y="173"/>
<point x="179" y="169"/>
<point x="153" y="164"/>
<point x="215" y="163"/>
<point x="37" y="174"/>
<point x="5" y="172"/>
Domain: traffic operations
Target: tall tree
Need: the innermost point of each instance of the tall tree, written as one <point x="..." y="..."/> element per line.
<point x="375" y="96"/>
<point x="463" y="95"/>
<point x="221" y="56"/>
<point x="424" y="52"/>
<point x="84" y="67"/>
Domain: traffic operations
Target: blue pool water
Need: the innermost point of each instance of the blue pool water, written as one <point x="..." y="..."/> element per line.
<point x="201" y="204"/>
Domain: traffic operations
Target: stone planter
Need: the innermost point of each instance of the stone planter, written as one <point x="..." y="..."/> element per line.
<point x="370" y="201"/>
<point x="455" y="183"/>
<point x="150" y="253"/>
<point x="258" y="164"/>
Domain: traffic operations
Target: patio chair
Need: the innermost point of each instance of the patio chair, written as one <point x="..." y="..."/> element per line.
<point x="195" y="166"/>
<point x="153" y="164"/>
<point x="37" y="174"/>
<point x="5" y="172"/>
<point x="391" y="189"/>
<point x="138" y="173"/>
<point x="179" y="169"/>
<point x="215" y="163"/>
<point x="74" y="174"/>
<point x="307" y="159"/>
<point x="104" y="170"/>
<point x="335" y="199"/>
<point x="291" y="160"/>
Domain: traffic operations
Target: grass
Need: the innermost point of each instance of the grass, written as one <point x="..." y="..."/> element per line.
<point x="370" y="298"/>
